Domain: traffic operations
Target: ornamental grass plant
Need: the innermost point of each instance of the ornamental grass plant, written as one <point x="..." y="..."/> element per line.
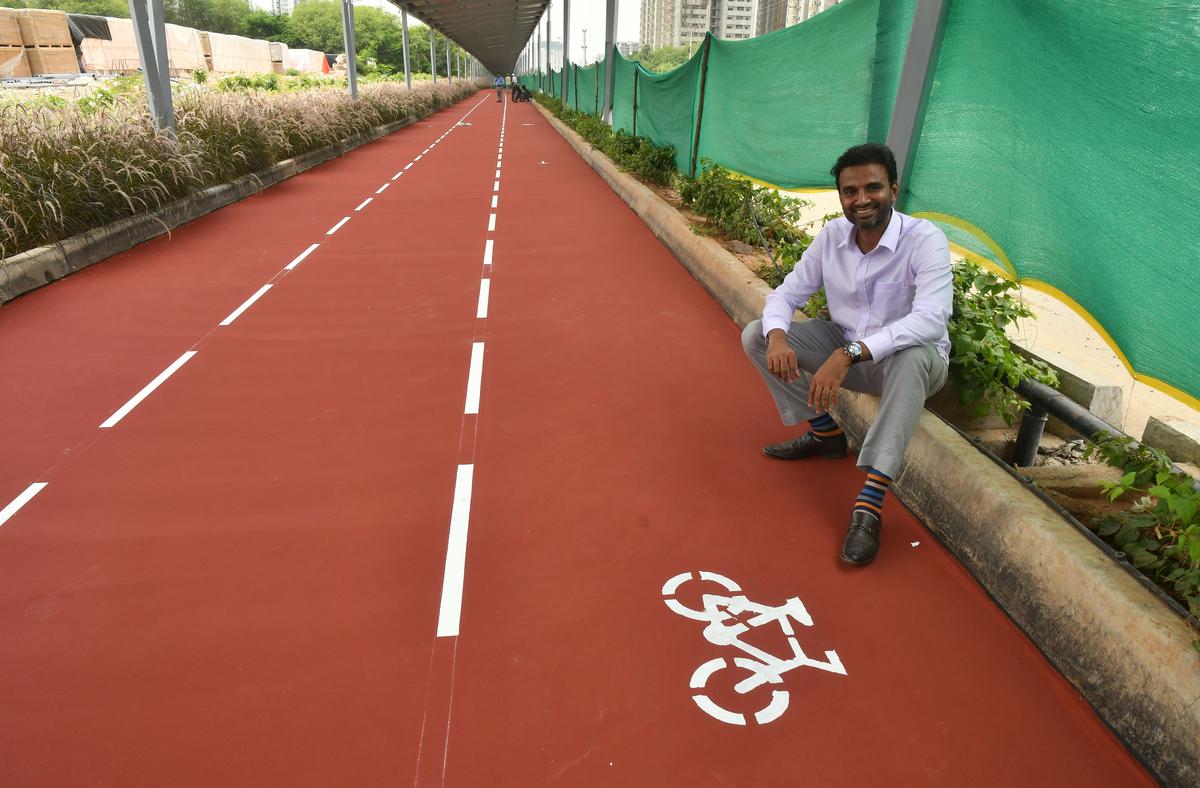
<point x="69" y="168"/>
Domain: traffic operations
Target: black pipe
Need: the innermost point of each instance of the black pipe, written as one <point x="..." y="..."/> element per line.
<point x="1029" y="437"/>
<point x="1074" y="415"/>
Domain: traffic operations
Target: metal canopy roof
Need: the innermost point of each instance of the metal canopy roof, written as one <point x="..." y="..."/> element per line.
<point x="494" y="31"/>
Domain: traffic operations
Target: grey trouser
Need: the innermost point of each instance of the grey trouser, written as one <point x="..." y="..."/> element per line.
<point x="903" y="381"/>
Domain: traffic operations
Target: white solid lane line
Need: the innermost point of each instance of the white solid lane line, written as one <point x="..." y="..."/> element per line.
<point x="492" y="223"/>
<point x="474" y="379"/>
<point x="364" y="203"/>
<point x="300" y="258"/>
<point x="487" y="252"/>
<point x="456" y="555"/>
<point x="485" y="289"/>
<point x="245" y="305"/>
<point x="20" y="501"/>
<point x="147" y="391"/>
<point x="494" y="199"/>
<point x="338" y="226"/>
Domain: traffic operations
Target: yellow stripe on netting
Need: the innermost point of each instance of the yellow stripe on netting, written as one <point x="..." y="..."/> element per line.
<point x="1009" y="271"/>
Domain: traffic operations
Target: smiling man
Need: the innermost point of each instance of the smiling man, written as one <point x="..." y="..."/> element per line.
<point x="887" y="279"/>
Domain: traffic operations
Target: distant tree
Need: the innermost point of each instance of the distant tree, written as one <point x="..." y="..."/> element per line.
<point x="316" y="24"/>
<point x="267" y="26"/>
<point x="214" y="16"/>
<point x="662" y="58"/>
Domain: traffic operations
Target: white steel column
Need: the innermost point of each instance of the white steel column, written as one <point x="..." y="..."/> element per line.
<point x="610" y="31"/>
<point x="348" y="38"/>
<point x="404" y="28"/>
<point x="151" y="34"/>
<point x="566" y="47"/>
<point x="432" y="55"/>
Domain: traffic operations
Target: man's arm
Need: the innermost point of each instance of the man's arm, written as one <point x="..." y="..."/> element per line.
<point x="932" y="303"/>
<point x="804" y="280"/>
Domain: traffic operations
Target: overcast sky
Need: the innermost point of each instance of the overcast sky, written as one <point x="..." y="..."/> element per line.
<point x="585" y="14"/>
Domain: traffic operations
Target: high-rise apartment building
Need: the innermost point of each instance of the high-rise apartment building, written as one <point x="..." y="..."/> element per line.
<point x="683" y="22"/>
<point x="776" y="14"/>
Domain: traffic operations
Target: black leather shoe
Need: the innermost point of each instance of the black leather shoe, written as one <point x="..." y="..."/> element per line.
<point x="808" y="445"/>
<point x="862" y="538"/>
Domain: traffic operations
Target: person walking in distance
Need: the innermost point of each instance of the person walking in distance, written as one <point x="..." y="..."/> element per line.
<point x="888" y="282"/>
<point x="499" y="83"/>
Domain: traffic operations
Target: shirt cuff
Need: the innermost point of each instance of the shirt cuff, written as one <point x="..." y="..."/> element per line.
<point x="769" y="324"/>
<point x="880" y="344"/>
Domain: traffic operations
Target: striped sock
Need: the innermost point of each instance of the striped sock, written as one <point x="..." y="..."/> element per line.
<point x="824" y="426"/>
<point x="871" y="497"/>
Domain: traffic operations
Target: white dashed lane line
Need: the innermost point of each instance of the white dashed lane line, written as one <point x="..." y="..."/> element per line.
<point x="474" y="380"/>
<point x="487" y="252"/>
<point x="450" y="611"/>
<point x="495" y="198"/>
<point x="147" y="391"/>
<point x="485" y="288"/>
<point x="337" y="226"/>
<point x="492" y="223"/>
<point x="364" y="203"/>
<point x="245" y="305"/>
<point x="22" y="499"/>
<point x="300" y="259"/>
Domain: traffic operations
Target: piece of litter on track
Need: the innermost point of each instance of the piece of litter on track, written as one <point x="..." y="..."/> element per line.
<point x="541" y="162"/>
<point x="914" y="544"/>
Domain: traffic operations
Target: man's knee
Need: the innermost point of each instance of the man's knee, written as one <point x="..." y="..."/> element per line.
<point x="752" y="338"/>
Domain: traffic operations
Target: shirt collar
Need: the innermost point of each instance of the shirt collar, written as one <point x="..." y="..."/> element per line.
<point x="891" y="236"/>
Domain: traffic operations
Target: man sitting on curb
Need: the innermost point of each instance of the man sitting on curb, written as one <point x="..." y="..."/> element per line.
<point x="888" y="282"/>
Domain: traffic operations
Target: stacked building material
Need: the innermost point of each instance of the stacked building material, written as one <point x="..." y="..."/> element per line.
<point x="47" y="41"/>
<point x="13" y="62"/>
<point x="118" y="54"/>
<point x="238" y="54"/>
<point x="306" y="61"/>
<point x="278" y="56"/>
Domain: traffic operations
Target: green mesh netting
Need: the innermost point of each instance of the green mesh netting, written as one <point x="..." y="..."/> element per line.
<point x="588" y="87"/>
<point x="624" y="76"/>
<point x="803" y="94"/>
<point x="1066" y="132"/>
<point x="666" y="107"/>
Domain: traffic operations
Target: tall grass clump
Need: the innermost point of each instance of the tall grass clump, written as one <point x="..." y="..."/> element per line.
<point x="67" y="169"/>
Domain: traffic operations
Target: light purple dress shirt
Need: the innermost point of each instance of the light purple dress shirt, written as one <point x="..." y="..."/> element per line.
<point x="898" y="295"/>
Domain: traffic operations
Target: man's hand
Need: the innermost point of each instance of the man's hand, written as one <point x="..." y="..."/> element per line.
<point x="823" y="391"/>
<point x="781" y="359"/>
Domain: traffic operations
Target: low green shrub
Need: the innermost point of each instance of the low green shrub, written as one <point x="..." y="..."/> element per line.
<point x="236" y="82"/>
<point x="200" y="76"/>
<point x="1160" y="534"/>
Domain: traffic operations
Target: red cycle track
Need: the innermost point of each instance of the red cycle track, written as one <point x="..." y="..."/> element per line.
<point x="239" y="583"/>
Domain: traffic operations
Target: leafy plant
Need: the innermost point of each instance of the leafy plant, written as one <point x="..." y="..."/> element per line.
<point x="638" y="155"/>
<point x="1161" y="531"/>
<point x="983" y="361"/>
<point x="200" y="76"/>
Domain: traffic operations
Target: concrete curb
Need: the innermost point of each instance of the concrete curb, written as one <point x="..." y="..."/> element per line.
<point x="1127" y="652"/>
<point x="45" y="264"/>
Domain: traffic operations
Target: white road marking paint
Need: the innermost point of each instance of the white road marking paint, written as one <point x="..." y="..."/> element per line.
<point x="245" y="305"/>
<point x="148" y="390"/>
<point x="474" y="379"/>
<point x="913" y="544"/>
<point x="364" y="203"/>
<point x="300" y="258"/>
<point x="406" y="166"/>
<point x="485" y="289"/>
<point x="487" y="252"/>
<point x="497" y="174"/>
<point x="8" y="511"/>
<point x="496" y="186"/>
<point x="338" y="226"/>
<point x="494" y="199"/>
<point x="727" y="621"/>
<point x="456" y="555"/>
<point x="418" y="158"/>
<point x="492" y="223"/>
<point x="394" y="177"/>
<point x="383" y="188"/>
<point x="425" y="151"/>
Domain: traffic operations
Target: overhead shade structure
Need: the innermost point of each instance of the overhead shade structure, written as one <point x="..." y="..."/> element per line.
<point x="494" y="31"/>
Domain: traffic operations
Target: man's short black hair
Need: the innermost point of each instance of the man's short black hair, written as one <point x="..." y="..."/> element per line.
<point x="868" y="153"/>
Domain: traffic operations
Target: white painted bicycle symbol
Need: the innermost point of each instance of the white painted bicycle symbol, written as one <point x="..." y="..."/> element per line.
<point x="729" y="617"/>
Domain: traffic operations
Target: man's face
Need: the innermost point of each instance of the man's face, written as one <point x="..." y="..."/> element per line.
<point x="866" y="195"/>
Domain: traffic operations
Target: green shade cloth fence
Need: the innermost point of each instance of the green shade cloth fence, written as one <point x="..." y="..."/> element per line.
<point x="1057" y="146"/>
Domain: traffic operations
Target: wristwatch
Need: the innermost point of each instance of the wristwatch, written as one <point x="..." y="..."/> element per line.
<point x="853" y="351"/>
